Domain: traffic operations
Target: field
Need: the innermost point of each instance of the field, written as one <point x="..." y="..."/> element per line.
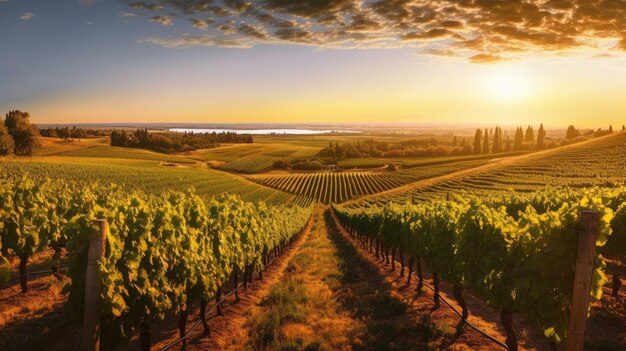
<point x="335" y="290"/>
<point x="600" y="162"/>
<point x="252" y="158"/>
<point x="142" y="172"/>
<point x="338" y="187"/>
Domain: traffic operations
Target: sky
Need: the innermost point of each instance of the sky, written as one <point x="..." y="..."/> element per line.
<point x="503" y="62"/>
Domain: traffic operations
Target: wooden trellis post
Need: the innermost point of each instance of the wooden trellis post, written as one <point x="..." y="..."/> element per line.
<point x="582" y="279"/>
<point x="92" y="313"/>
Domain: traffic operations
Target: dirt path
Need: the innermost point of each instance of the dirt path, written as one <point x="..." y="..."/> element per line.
<point x="331" y="298"/>
<point x="228" y="327"/>
<point x="483" y="316"/>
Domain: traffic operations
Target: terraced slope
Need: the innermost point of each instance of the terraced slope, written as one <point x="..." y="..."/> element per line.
<point x="600" y="161"/>
<point x="342" y="186"/>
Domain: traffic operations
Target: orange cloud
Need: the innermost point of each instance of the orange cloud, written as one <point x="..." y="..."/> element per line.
<point x="479" y="30"/>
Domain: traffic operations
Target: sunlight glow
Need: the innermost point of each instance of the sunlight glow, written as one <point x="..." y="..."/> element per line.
<point x="506" y="84"/>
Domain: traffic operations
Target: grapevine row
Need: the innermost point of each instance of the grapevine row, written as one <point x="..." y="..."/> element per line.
<point x="162" y="253"/>
<point x="517" y="253"/>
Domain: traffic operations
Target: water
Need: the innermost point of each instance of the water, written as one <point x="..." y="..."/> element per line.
<point x="261" y="131"/>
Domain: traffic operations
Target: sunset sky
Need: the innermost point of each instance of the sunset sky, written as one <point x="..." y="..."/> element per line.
<point x="482" y="61"/>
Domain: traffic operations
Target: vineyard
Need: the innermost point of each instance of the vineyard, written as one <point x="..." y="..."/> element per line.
<point x="145" y="175"/>
<point x="341" y="186"/>
<point x="503" y="232"/>
<point x="161" y="254"/>
<point x="517" y="254"/>
<point x="600" y="162"/>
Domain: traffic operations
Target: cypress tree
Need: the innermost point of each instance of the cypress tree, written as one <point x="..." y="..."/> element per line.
<point x="530" y="135"/>
<point x="541" y="134"/>
<point x="497" y="141"/>
<point x="477" y="141"/>
<point x="519" y="139"/>
<point x="486" y="143"/>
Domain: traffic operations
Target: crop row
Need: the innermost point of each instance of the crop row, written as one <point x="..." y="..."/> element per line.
<point x="599" y="163"/>
<point x="342" y="186"/>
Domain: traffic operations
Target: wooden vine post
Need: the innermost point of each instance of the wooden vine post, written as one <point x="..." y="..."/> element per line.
<point x="582" y="279"/>
<point x="92" y="313"/>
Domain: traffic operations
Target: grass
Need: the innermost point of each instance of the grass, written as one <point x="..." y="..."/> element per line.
<point x="106" y="151"/>
<point x="252" y="158"/>
<point x="331" y="299"/>
<point x="51" y="146"/>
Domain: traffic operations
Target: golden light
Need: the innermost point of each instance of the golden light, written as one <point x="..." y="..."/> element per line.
<point x="506" y="84"/>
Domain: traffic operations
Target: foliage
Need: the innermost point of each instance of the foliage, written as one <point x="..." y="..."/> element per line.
<point x="73" y="133"/>
<point x="24" y="133"/>
<point x="169" y="142"/>
<point x="516" y="253"/>
<point x="7" y="146"/>
<point x="162" y="251"/>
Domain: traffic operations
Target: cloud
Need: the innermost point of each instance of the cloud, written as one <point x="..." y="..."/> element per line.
<point x="142" y="5"/>
<point x="27" y="16"/>
<point x="127" y="14"/>
<point x="481" y="31"/>
<point x="201" y="23"/>
<point x="485" y="58"/>
<point x="187" y="40"/>
<point x="163" y="20"/>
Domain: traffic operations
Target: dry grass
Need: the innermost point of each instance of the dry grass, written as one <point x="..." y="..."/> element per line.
<point x="330" y="299"/>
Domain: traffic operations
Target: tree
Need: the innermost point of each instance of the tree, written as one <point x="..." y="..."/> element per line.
<point x="572" y="132"/>
<point x="454" y="142"/>
<point x="486" y="143"/>
<point x="23" y="132"/>
<point x="477" y="141"/>
<point x="530" y="135"/>
<point x="7" y="146"/>
<point x="541" y="135"/>
<point x="610" y="129"/>
<point x="519" y="139"/>
<point x="497" y="141"/>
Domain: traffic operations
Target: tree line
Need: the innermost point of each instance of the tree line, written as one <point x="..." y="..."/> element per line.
<point x="68" y="133"/>
<point x="169" y="142"/>
<point x="492" y="141"/>
<point x="17" y="135"/>
<point x="406" y="148"/>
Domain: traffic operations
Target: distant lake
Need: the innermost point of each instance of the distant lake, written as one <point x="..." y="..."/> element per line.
<point x="261" y="131"/>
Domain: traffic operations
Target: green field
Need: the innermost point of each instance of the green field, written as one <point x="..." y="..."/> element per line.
<point x="105" y="151"/>
<point x="252" y="158"/>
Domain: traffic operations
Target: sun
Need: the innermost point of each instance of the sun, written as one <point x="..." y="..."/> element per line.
<point x="506" y="84"/>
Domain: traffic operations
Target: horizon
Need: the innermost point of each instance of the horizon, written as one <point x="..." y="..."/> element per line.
<point x="87" y="61"/>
